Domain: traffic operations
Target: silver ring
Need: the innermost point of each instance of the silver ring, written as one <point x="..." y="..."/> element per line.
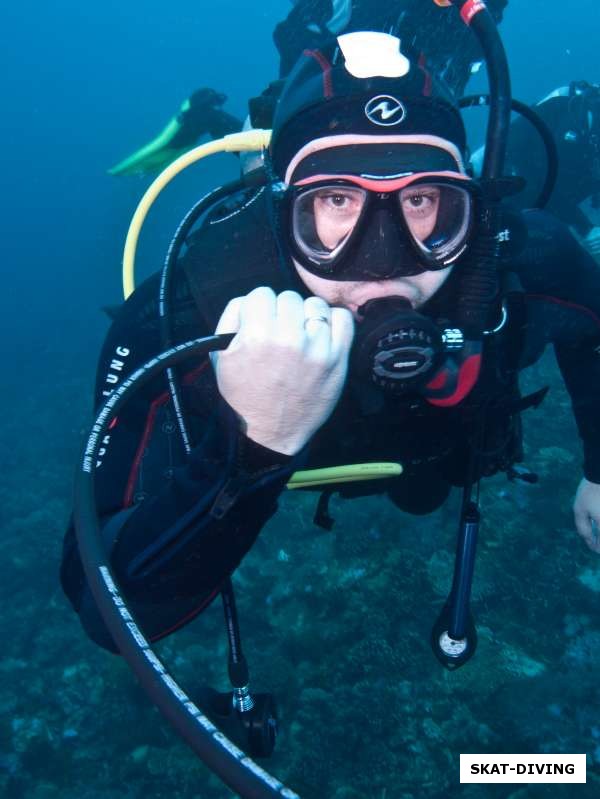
<point x="316" y="319"/>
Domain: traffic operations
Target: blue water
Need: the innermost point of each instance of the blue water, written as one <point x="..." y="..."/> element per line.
<point x="82" y="86"/>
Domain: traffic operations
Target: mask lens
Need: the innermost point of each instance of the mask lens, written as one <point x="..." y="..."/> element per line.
<point x="324" y="218"/>
<point x="438" y="218"/>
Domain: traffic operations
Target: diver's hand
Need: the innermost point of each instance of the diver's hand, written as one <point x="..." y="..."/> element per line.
<point x="284" y="371"/>
<point x="587" y="513"/>
<point x="592" y="242"/>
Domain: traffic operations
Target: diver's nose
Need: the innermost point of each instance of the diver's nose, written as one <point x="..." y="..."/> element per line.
<point x="384" y="248"/>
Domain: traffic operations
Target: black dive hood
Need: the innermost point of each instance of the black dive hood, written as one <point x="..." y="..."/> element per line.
<point x="248" y="719"/>
<point x="319" y="98"/>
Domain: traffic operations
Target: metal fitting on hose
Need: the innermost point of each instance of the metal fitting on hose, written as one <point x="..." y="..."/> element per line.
<point x="242" y="699"/>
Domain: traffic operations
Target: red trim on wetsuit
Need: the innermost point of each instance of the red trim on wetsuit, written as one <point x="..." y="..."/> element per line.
<point x="567" y="304"/>
<point x="467" y="377"/>
<point x="128" y="498"/>
<point x="162" y="399"/>
<point x="326" y="67"/>
<point x="428" y="82"/>
<point x="187" y="618"/>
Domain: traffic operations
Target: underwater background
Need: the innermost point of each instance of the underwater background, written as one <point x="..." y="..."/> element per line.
<point x="336" y="624"/>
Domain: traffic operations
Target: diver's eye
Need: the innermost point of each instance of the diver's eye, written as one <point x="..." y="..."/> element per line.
<point x="340" y="201"/>
<point x="334" y="203"/>
<point x="420" y="203"/>
<point x="419" y="200"/>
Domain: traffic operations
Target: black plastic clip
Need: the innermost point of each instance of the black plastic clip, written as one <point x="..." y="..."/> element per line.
<point x="322" y="517"/>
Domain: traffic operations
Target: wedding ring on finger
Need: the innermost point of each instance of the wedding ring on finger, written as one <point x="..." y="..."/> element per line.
<point x="316" y="319"/>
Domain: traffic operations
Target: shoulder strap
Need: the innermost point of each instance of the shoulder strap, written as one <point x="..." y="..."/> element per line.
<point x="231" y="255"/>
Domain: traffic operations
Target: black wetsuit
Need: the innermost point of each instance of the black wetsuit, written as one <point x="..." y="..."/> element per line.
<point x="578" y="143"/>
<point x="177" y="526"/>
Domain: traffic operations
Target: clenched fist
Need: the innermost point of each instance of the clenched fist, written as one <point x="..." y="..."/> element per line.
<point x="285" y="369"/>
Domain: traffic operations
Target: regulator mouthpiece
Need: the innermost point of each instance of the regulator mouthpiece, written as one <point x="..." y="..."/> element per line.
<point x="397" y="348"/>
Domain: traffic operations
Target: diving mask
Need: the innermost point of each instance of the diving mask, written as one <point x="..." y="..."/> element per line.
<point x="358" y="228"/>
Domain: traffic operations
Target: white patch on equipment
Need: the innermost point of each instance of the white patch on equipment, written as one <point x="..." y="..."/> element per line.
<point x="369" y="54"/>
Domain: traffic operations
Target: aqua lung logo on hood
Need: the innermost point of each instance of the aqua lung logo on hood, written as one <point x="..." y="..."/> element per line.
<point x="385" y="111"/>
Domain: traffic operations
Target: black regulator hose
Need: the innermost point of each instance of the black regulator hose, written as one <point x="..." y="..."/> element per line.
<point x="479" y="274"/>
<point x="476" y="15"/>
<point x="541" y="128"/>
<point x="167" y="279"/>
<point x="233" y="766"/>
<point x="203" y="206"/>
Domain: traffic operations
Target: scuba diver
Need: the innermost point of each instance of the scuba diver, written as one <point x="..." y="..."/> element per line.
<point x="200" y="115"/>
<point x="444" y="46"/>
<point x="572" y="114"/>
<point x="376" y="221"/>
<point x="377" y="306"/>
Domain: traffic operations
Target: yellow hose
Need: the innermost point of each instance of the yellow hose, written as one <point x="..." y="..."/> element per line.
<point x="250" y="140"/>
<point x="344" y="474"/>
